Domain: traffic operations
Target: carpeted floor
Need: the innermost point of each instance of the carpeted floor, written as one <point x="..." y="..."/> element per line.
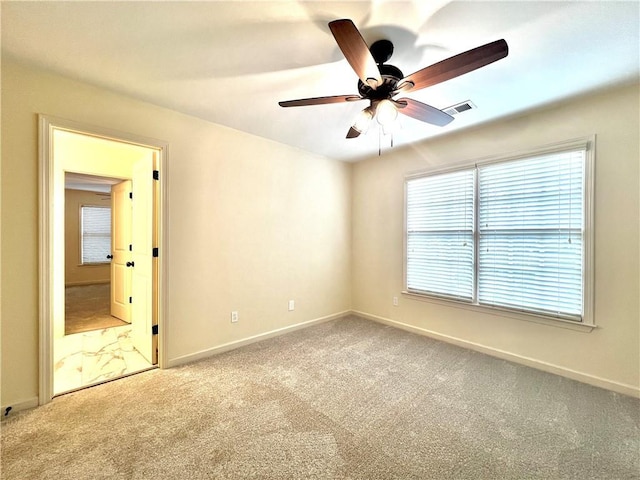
<point x="345" y="399"/>
<point x="87" y="307"/>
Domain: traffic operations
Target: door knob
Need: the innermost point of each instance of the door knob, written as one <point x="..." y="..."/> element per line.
<point x="130" y="264"/>
<point x="109" y="257"/>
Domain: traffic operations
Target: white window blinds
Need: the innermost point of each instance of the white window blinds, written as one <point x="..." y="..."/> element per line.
<point x="530" y="234"/>
<point x="511" y="234"/>
<point x="440" y="234"/>
<point x="96" y="234"/>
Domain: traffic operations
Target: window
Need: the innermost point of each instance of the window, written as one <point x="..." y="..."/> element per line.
<point x="95" y="233"/>
<point x="440" y="234"/>
<point x="512" y="233"/>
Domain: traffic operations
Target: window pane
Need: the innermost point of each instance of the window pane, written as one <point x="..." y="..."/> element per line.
<point x="96" y="234"/>
<point x="440" y="263"/>
<point x="535" y="272"/>
<point x="530" y="229"/>
<point x="541" y="192"/>
<point x="440" y="234"/>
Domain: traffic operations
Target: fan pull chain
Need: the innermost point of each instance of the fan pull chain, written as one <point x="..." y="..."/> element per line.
<point x="380" y="134"/>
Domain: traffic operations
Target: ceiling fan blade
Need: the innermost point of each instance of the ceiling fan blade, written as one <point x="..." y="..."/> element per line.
<point x="356" y="51"/>
<point x="422" y="111"/>
<point x="320" y="100"/>
<point x="455" y="66"/>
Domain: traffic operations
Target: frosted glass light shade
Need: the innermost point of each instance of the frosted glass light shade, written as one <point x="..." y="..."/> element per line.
<point x="363" y="120"/>
<point x="386" y="113"/>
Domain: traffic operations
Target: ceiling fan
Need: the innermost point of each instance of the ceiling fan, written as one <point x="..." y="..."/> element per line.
<point x="380" y="82"/>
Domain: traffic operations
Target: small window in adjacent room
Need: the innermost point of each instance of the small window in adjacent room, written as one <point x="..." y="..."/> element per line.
<point x="510" y="233"/>
<point x="95" y="228"/>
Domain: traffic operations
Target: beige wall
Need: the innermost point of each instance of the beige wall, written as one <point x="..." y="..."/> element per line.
<point x="609" y="355"/>
<point x="74" y="273"/>
<point x="251" y="224"/>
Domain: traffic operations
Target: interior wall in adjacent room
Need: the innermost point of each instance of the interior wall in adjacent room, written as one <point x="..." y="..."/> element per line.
<point x="75" y="273"/>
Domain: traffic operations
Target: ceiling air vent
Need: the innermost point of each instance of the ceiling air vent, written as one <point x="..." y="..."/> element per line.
<point x="459" y="108"/>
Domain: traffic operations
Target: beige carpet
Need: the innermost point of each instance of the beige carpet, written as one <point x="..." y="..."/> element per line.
<point x="348" y="399"/>
<point x="87" y="307"/>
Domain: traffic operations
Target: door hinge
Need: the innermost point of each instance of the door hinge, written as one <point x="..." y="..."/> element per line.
<point x="130" y="299"/>
<point x="130" y="248"/>
<point x="131" y="195"/>
<point x="156" y="175"/>
<point x="154" y="330"/>
<point x="155" y="252"/>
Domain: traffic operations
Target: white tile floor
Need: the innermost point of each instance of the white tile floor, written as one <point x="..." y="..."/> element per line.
<point x="89" y="358"/>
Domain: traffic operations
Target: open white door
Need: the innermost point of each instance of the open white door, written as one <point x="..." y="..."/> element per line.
<point x="120" y="241"/>
<point x="142" y="257"/>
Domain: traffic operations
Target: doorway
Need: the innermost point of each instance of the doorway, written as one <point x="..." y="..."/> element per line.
<point x="94" y="353"/>
<point x="89" y="217"/>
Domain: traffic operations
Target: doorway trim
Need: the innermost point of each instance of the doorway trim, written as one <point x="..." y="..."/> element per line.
<point x="47" y="125"/>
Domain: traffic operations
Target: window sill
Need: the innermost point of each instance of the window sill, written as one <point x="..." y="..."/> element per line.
<point x="528" y="317"/>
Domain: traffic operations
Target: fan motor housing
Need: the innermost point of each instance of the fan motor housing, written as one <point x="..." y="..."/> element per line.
<point x="390" y="77"/>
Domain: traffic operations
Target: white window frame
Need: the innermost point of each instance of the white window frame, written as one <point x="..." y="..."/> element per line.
<point x="81" y="234"/>
<point x="588" y="320"/>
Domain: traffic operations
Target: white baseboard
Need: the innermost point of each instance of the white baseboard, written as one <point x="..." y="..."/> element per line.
<point x="614" y="386"/>
<point x="18" y="406"/>
<point x="192" y="357"/>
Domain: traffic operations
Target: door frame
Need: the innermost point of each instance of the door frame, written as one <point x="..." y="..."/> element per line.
<point x="47" y="125"/>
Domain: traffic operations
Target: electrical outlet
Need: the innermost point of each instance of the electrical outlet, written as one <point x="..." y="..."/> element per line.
<point x="292" y="305"/>
<point x="234" y="317"/>
<point x="395" y="301"/>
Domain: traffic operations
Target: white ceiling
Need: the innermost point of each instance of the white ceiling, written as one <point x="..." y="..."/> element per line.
<point x="231" y="62"/>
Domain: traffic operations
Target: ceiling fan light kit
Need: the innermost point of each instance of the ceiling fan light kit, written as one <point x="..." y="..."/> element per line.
<point x="363" y="120"/>
<point x="386" y="113"/>
<point x="379" y="82"/>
